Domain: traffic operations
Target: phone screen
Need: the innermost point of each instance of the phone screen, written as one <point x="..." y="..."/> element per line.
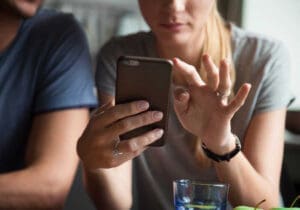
<point x="144" y="78"/>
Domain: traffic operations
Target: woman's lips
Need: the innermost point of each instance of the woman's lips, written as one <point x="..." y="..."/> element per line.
<point x="172" y="26"/>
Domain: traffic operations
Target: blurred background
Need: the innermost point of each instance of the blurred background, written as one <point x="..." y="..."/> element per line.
<point x="102" y="19"/>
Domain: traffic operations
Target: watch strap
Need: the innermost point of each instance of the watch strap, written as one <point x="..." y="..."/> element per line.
<point x="225" y="157"/>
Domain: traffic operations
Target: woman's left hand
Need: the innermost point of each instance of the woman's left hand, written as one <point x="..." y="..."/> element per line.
<point x="202" y="107"/>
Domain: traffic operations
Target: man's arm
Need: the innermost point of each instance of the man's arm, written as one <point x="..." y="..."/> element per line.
<point x="51" y="162"/>
<point x="107" y="161"/>
<point x="110" y="189"/>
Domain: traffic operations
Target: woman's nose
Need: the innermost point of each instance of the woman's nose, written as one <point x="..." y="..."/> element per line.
<point x="175" y="5"/>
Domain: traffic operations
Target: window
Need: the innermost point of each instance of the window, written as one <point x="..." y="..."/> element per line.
<point x="279" y="19"/>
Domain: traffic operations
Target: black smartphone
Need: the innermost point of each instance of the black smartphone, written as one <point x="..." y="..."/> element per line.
<point x="145" y="78"/>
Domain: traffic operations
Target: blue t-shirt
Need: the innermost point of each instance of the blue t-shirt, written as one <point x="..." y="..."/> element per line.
<point x="47" y="67"/>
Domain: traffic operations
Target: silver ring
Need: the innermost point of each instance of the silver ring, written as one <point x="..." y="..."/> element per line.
<point x="116" y="152"/>
<point x="223" y="94"/>
<point x="97" y="113"/>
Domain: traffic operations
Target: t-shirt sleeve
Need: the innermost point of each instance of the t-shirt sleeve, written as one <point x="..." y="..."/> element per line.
<point x="66" y="79"/>
<point x="106" y="67"/>
<point x="275" y="91"/>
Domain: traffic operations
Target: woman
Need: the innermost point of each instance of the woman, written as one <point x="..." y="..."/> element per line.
<point x="209" y="113"/>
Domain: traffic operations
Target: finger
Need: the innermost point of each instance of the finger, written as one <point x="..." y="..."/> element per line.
<point x="95" y="116"/>
<point x="225" y="81"/>
<point x="130" y="123"/>
<point x="120" y="160"/>
<point x="212" y="72"/>
<point x="181" y="98"/>
<point x="239" y="99"/>
<point x="186" y="72"/>
<point x="121" y="111"/>
<point x="135" y="146"/>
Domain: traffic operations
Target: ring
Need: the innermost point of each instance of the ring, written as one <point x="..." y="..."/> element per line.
<point x="116" y="152"/>
<point x="223" y="94"/>
<point x="99" y="111"/>
<point x="97" y="114"/>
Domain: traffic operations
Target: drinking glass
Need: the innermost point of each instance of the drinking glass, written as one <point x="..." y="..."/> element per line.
<point x="195" y="195"/>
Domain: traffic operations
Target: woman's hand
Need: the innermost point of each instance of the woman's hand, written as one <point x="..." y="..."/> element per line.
<point x="99" y="145"/>
<point x="203" y="108"/>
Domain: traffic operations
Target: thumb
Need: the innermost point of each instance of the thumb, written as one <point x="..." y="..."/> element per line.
<point x="181" y="99"/>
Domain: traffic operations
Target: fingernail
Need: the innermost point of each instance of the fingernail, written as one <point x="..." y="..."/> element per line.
<point x="175" y="59"/>
<point x="206" y="57"/>
<point x="158" y="115"/>
<point x="227" y="61"/>
<point x="158" y="133"/>
<point x="142" y="105"/>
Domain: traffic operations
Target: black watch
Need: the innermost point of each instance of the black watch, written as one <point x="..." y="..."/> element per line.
<point x="225" y="157"/>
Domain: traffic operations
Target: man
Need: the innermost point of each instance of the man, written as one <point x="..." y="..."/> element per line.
<point x="46" y="89"/>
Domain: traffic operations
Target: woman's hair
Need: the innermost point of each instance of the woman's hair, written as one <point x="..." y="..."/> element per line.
<point x="217" y="44"/>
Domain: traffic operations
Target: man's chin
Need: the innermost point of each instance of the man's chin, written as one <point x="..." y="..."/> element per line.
<point x="21" y="8"/>
<point x="27" y="10"/>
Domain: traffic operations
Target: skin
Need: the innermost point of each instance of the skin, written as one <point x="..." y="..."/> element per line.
<point x="21" y="8"/>
<point x="248" y="166"/>
<point x="102" y="169"/>
<point x="51" y="158"/>
<point x="177" y="25"/>
<point x="51" y="163"/>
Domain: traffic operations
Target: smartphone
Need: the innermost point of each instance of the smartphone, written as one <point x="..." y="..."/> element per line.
<point x="145" y="78"/>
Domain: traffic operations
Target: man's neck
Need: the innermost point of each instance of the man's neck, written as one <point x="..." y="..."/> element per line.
<point x="9" y="25"/>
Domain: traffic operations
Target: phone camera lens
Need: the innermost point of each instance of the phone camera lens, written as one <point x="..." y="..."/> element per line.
<point x="132" y="62"/>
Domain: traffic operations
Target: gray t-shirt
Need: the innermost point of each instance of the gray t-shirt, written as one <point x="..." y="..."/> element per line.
<point x="258" y="60"/>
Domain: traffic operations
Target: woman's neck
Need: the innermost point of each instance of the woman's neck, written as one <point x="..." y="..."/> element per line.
<point x="189" y="52"/>
<point x="9" y="25"/>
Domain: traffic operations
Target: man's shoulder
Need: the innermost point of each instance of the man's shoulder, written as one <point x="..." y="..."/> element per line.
<point x="50" y="20"/>
<point x="54" y="30"/>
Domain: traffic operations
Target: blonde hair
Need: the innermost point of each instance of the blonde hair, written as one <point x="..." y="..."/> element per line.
<point x="217" y="44"/>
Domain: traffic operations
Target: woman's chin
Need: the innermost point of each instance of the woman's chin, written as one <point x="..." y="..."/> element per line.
<point x="174" y="40"/>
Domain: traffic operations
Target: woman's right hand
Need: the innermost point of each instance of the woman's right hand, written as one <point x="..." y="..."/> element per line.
<point x="99" y="145"/>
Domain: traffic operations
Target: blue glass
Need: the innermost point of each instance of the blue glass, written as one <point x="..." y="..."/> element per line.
<point x="193" y="195"/>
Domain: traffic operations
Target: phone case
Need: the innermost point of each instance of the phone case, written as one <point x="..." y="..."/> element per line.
<point x="143" y="78"/>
